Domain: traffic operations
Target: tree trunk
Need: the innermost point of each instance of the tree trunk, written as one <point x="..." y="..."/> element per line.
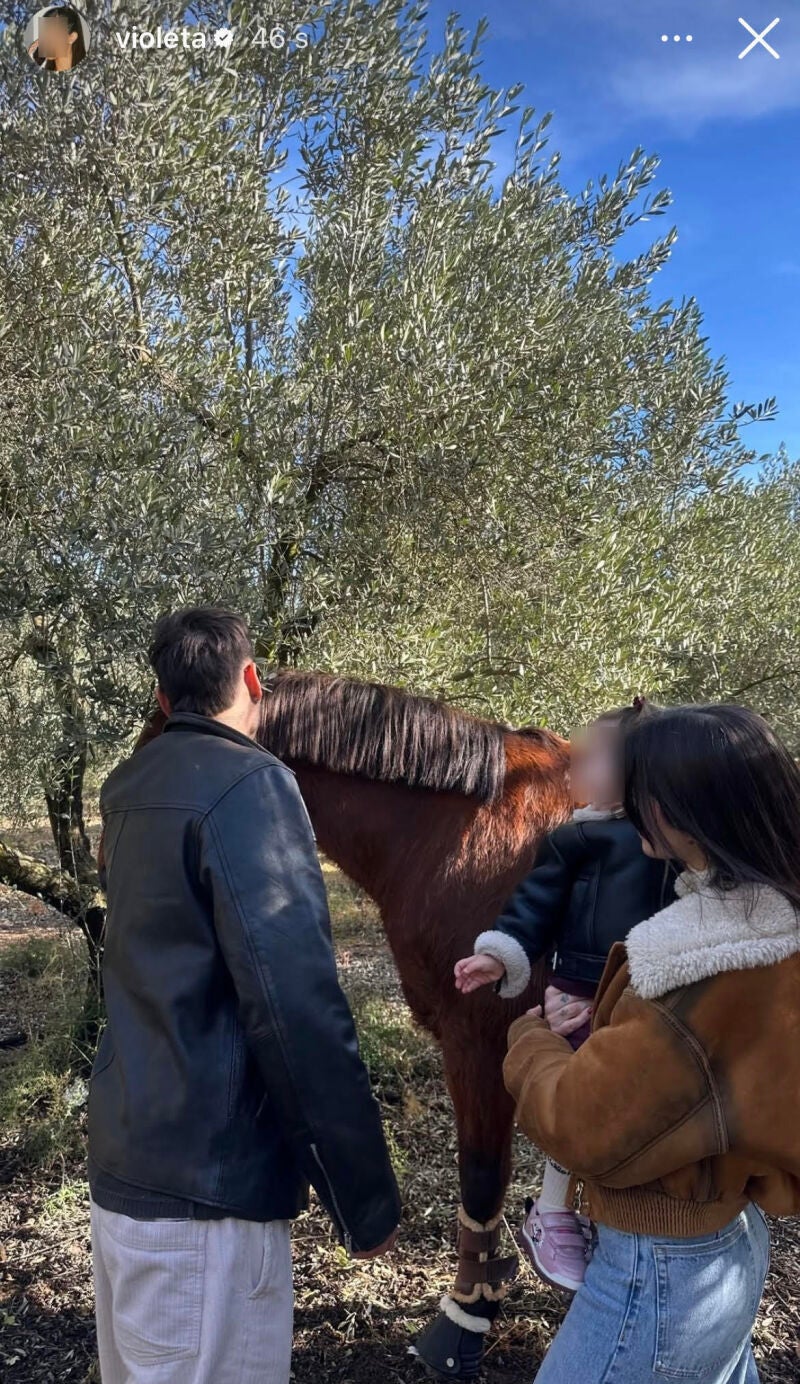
<point x="74" y="889"/>
<point x="63" y="788"/>
<point x="64" y="796"/>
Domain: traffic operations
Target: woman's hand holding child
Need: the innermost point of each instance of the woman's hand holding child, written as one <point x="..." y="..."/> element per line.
<point x="565" y="1013"/>
<point x="561" y="1018"/>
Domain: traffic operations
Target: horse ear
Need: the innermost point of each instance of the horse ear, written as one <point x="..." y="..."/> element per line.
<point x="639" y="703"/>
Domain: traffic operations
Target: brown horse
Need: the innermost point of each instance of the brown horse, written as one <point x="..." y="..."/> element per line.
<point x="436" y="814"/>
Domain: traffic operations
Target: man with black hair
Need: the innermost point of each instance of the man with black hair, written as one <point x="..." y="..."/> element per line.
<point x="228" y="1076"/>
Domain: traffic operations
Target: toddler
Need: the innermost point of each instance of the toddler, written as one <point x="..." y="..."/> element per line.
<point x="590" y="884"/>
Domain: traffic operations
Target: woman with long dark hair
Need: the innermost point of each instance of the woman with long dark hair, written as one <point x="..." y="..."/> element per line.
<point x="60" y="45"/>
<point x="680" y="1113"/>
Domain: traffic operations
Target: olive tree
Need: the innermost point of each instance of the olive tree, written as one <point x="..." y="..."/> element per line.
<point x="275" y="330"/>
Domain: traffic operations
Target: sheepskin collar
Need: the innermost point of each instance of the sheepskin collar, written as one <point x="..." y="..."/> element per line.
<point x="708" y="931"/>
<point x="694" y="882"/>
<point x="596" y="814"/>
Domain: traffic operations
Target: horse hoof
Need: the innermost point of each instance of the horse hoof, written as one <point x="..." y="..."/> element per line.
<point x="449" y="1350"/>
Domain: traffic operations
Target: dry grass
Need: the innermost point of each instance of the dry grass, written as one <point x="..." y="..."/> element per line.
<point x="354" y="1322"/>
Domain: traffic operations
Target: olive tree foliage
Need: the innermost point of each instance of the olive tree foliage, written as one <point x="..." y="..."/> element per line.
<point x="276" y="330"/>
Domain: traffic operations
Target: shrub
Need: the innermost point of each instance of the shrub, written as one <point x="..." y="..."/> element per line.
<point x="42" y="1084"/>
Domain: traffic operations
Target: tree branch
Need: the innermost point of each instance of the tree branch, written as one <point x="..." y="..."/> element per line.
<point x="761" y="682"/>
<point x="86" y="907"/>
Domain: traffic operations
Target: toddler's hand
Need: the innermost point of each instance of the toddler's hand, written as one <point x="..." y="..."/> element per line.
<point x="564" y="1013"/>
<point x="475" y="971"/>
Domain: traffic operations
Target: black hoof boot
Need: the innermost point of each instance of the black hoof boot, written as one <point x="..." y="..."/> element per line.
<point x="451" y="1350"/>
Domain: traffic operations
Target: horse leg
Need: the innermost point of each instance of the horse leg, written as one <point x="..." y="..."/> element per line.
<point x="453" y="1344"/>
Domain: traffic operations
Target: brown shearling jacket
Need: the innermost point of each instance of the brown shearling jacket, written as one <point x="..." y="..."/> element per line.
<point x="683" y="1104"/>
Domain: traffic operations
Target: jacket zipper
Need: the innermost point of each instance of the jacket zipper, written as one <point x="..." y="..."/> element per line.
<point x="348" y="1239"/>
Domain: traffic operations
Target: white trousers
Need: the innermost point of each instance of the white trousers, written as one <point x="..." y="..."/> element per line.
<point x="192" y="1302"/>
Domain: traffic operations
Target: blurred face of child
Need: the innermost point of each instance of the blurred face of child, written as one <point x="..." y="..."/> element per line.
<point x="596" y="771"/>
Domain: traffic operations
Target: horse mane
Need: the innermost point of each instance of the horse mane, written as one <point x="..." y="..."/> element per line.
<point x="383" y="732"/>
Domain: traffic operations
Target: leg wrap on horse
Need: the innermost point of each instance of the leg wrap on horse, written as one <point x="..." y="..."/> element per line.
<point x="453" y="1344"/>
<point x="483" y="1273"/>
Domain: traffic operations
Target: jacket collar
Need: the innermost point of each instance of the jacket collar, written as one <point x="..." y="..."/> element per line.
<point x="693" y="882"/>
<point x="597" y="814"/>
<point x="709" y="931"/>
<point x="206" y="725"/>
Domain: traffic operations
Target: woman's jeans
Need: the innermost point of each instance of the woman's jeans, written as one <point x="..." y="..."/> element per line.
<point x="654" y="1309"/>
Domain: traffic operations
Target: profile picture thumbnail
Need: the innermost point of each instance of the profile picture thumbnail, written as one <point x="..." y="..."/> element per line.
<point x="57" y="38"/>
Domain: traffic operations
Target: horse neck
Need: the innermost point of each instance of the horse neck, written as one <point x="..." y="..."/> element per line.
<point x="407" y="843"/>
<point x="375" y="831"/>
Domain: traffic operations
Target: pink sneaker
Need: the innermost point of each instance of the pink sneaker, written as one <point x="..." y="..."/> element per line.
<point x="558" y="1246"/>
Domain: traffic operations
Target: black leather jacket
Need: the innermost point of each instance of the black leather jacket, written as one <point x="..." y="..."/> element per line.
<point x="590" y="884"/>
<point x="229" y="1072"/>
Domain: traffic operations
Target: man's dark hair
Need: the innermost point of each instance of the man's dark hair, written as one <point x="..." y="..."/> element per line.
<point x="197" y="655"/>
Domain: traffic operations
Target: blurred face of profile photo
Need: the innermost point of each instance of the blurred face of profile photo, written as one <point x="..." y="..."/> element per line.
<point x="60" y="40"/>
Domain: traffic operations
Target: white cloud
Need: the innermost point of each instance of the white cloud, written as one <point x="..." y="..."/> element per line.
<point x="689" y="93"/>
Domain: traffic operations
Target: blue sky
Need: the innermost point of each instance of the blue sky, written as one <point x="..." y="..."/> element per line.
<point x="727" y="131"/>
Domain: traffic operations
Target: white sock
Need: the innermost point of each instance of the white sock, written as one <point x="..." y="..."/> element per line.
<point x="554" y="1195"/>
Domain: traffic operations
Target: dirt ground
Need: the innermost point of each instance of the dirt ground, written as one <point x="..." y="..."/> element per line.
<point x="354" y="1323"/>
